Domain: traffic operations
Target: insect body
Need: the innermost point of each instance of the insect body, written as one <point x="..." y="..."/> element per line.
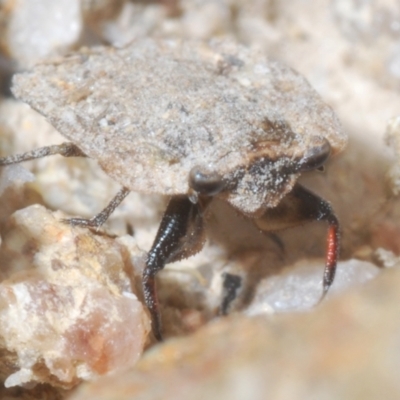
<point x="193" y="121"/>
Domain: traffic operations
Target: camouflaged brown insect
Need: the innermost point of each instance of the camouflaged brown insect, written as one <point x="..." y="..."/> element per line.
<point x="194" y="121"/>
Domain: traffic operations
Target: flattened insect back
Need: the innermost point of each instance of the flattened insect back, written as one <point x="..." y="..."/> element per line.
<point x="153" y="111"/>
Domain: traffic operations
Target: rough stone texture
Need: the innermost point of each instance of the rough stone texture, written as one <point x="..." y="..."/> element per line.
<point x="14" y="174"/>
<point x="346" y="349"/>
<point x="373" y="29"/>
<point x="194" y="19"/>
<point x="32" y="29"/>
<point x="100" y="10"/>
<point x="298" y="287"/>
<point x="392" y="138"/>
<point x="67" y="305"/>
<point x="223" y="109"/>
<point x="42" y="392"/>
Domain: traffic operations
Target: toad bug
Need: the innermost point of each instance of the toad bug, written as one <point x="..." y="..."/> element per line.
<point x="193" y="121"/>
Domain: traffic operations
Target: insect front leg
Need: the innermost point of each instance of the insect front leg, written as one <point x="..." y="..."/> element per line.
<point x="99" y="219"/>
<point x="180" y="235"/>
<point x="66" y="149"/>
<point x="301" y="206"/>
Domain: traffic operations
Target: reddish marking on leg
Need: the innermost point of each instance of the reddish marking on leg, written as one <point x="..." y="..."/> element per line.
<point x="332" y="255"/>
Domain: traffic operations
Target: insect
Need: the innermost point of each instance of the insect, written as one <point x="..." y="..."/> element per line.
<point x="193" y="121"/>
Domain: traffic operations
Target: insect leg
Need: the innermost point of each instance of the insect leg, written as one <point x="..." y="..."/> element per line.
<point x="66" y="149"/>
<point x="301" y="206"/>
<point x="102" y="216"/>
<point x="231" y="285"/>
<point x="179" y="236"/>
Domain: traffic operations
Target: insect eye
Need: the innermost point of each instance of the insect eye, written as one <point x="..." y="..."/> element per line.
<point x="316" y="156"/>
<point x="206" y="183"/>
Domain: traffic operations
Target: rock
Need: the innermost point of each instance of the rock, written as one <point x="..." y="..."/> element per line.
<point x="68" y="306"/>
<point x="33" y="29"/>
<point x="42" y="392"/>
<point x="392" y="139"/>
<point x="373" y="29"/>
<point x="12" y="174"/>
<point x="299" y="287"/>
<point x="37" y="28"/>
<point x="347" y="348"/>
<point x="99" y="10"/>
